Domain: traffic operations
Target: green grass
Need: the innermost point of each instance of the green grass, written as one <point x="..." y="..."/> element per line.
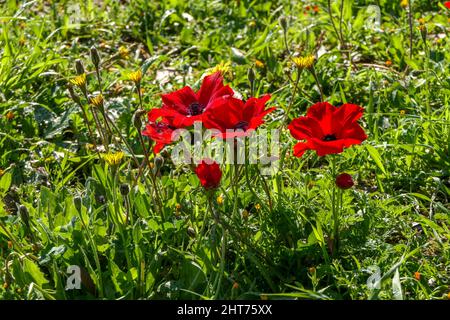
<point x="397" y="217"/>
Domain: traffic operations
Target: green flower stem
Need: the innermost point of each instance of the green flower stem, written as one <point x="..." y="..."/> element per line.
<point x="335" y="209"/>
<point x="316" y="79"/>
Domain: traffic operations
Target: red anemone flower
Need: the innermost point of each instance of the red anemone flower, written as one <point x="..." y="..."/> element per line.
<point x="183" y="107"/>
<point x="327" y="129"/>
<point x="160" y="132"/>
<point x="209" y="174"/>
<point x="447" y="4"/>
<point x="234" y="118"/>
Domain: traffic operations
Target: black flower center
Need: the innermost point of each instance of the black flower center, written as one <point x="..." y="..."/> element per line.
<point x="329" y="137"/>
<point x="160" y="127"/>
<point x="195" y="109"/>
<point x="243" y="125"/>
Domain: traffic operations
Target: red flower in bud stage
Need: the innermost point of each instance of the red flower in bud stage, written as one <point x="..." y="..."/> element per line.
<point x="327" y="129"/>
<point x="236" y="116"/>
<point x="447" y="4"/>
<point x="344" y="181"/>
<point x="158" y="131"/>
<point x="209" y="174"/>
<point x="183" y="107"/>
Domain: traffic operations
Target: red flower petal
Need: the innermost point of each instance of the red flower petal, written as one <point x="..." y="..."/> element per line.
<point x="300" y="148"/>
<point x="233" y="118"/>
<point x="212" y="87"/>
<point x="447" y="4"/>
<point x="304" y="128"/>
<point x="180" y="100"/>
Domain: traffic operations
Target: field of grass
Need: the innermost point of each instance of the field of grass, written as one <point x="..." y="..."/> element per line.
<point x="144" y="227"/>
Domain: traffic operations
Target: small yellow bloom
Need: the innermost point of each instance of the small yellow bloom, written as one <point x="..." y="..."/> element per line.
<point x="258" y="206"/>
<point x="89" y="146"/>
<point x="404" y="3"/>
<point x="113" y="158"/>
<point x="97" y="101"/>
<point x="10" y="245"/>
<point x="252" y="24"/>
<point x="9" y="115"/>
<point x="448" y="296"/>
<point x="79" y="81"/>
<point x="304" y="62"/>
<point x="223" y="67"/>
<point x="135" y="76"/>
<point x="2" y="172"/>
<point x="219" y="200"/>
<point x="124" y="52"/>
<point x="421" y="21"/>
<point x="178" y="207"/>
<point x="422" y="28"/>
<point x="259" y="64"/>
<point x="388" y="63"/>
<point x="402" y="112"/>
<point x="417" y="275"/>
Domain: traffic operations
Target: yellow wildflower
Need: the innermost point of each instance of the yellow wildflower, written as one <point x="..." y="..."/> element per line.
<point x="259" y="64"/>
<point x="404" y="3"/>
<point x="402" y="112"/>
<point x="135" y="76"/>
<point x="2" y="172"/>
<point x="219" y="200"/>
<point x="421" y="21"/>
<point x="304" y="62"/>
<point x="258" y="206"/>
<point x="388" y="63"/>
<point x="124" y="52"/>
<point x="422" y="28"/>
<point x="9" y="115"/>
<point x="113" y="158"/>
<point x="97" y="101"/>
<point x="79" y="81"/>
<point x="223" y="67"/>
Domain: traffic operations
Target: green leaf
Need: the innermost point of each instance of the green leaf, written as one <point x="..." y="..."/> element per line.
<point x="5" y="182"/>
<point x="376" y="157"/>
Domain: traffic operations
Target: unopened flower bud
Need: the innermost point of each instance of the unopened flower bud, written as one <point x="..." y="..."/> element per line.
<point x="159" y="162"/>
<point x="137" y="121"/>
<point x="191" y="232"/>
<point x="251" y="75"/>
<point x="95" y="57"/>
<point x="24" y="215"/>
<point x="78" y="203"/>
<point x="283" y="23"/>
<point x="344" y="181"/>
<point x="79" y="67"/>
<point x="124" y="189"/>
